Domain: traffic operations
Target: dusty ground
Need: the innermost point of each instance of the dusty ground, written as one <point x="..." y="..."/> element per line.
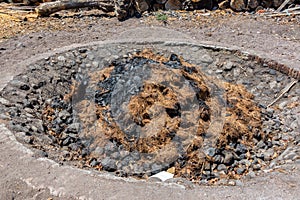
<point x="25" y="35"/>
<point x="22" y="36"/>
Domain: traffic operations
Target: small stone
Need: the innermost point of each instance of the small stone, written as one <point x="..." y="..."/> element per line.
<point x="4" y="101"/>
<point x="231" y="182"/>
<point x="235" y="164"/>
<point x="94" y="163"/>
<point x="272" y="72"/>
<point x="154" y="179"/>
<point x="171" y="170"/>
<point x="222" y="182"/>
<point x="110" y="147"/>
<point x="242" y="156"/>
<point x="222" y="167"/>
<point x="74" y="146"/>
<point x="251" y="174"/>
<point x="270" y="112"/>
<point x="66" y="141"/>
<point x="210" y="151"/>
<point x="4" y="116"/>
<point x="228" y="158"/>
<point x="245" y="162"/>
<point x="260" y="154"/>
<point x="273" y="163"/>
<point x="276" y="143"/>
<point x="219" y="71"/>
<point x="295" y="125"/>
<point x="109" y="164"/>
<point x="64" y="114"/>
<point x="290" y="156"/>
<point x="115" y="155"/>
<point x="256" y="167"/>
<point x="90" y="56"/>
<point x="28" y="139"/>
<point x="34" y="129"/>
<point x="98" y="151"/>
<point x="273" y="84"/>
<point x="207" y="166"/>
<point x="241" y="149"/>
<point x="279" y="78"/>
<point x="261" y="144"/>
<point x="155" y="168"/>
<point x="286" y="137"/>
<point x="19" y="128"/>
<point x="228" y="66"/>
<point x="82" y="50"/>
<point x="123" y="153"/>
<point x="73" y="128"/>
<point x="206" y="58"/>
<point x="268" y="155"/>
<point x="282" y="105"/>
<point x="40" y="153"/>
<point x="84" y="152"/>
<point x="24" y="87"/>
<point x="239" y="183"/>
<point x="240" y="170"/>
<point x="61" y="58"/>
<point x="20" y="45"/>
<point x="294" y="99"/>
<point x="95" y="64"/>
<point x="218" y="159"/>
<point x="216" y="174"/>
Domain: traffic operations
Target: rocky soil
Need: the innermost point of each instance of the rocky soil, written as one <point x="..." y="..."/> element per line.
<point x="250" y="31"/>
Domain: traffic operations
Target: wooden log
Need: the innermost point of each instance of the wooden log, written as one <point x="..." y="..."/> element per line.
<point x="173" y="5"/>
<point x="141" y="6"/>
<point x="238" y="5"/>
<point x="252" y="4"/>
<point x="46" y="9"/>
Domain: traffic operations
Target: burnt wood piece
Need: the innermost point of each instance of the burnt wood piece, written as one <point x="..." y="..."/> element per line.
<point x="48" y="8"/>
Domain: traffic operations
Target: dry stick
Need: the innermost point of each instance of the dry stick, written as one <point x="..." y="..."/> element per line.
<point x="46" y="9"/>
<point x="285" y="90"/>
<point x="22" y="8"/>
<point x="282" y="5"/>
<point x="291" y="9"/>
<point x="283" y="14"/>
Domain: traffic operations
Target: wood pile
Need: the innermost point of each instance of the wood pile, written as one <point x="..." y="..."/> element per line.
<point x="128" y="8"/>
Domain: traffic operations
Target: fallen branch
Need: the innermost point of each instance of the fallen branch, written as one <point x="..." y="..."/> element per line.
<point x="46" y="9"/>
<point x="282" y="5"/>
<point x="285" y="90"/>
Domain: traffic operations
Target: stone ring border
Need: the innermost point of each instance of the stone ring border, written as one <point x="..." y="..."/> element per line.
<point x="43" y="166"/>
<point x="281" y="66"/>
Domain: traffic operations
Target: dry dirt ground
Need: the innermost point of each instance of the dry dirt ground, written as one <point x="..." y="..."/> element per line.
<point x="23" y="36"/>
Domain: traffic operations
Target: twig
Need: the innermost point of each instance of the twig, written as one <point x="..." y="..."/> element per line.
<point x="23" y="8"/>
<point x="291" y="9"/>
<point x="282" y="5"/>
<point x="285" y="90"/>
<point x="283" y="14"/>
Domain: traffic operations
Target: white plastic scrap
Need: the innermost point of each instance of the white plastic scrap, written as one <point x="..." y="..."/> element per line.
<point x="163" y="176"/>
